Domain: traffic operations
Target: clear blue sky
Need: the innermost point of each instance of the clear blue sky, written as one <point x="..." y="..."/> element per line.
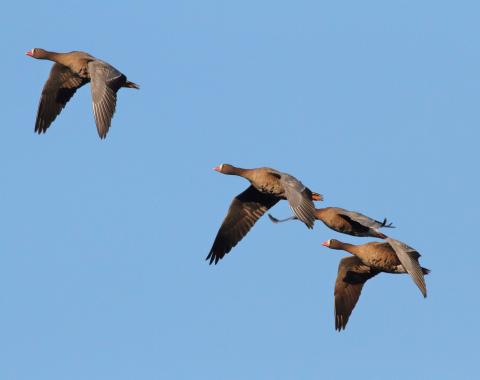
<point x="374" y="104"/>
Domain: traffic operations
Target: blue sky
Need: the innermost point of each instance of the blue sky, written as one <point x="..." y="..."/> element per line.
<point x="102" y="270"/>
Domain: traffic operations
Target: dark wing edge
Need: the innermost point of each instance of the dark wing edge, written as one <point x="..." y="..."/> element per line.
<point x="359" y="229"/>
<point x="244" y="211"/>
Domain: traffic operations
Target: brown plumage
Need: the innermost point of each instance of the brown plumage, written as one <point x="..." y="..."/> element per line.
<point x="347" y="222"/>
<point x="70" y="72"/>
<point x="370" y="259"/>
<point x="267" y="187"/>
<point x="352" y="274"/>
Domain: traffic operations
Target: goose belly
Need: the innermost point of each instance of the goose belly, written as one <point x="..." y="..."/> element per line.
<point x="385" y="264"/>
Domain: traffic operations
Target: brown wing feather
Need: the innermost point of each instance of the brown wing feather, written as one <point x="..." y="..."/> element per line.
<point x="106" y="81"/>
<point x="57" y="91"/>
<point x="245" y="209"/>
<point x="352" y="274"/>
<point x="409" y="259"/>
<point x="299" y="199"/>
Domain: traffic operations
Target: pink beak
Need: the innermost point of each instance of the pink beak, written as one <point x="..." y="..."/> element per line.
<point x="325" y="243"/>
<point x="217" y="168"/>
<point x="29" y="53"/>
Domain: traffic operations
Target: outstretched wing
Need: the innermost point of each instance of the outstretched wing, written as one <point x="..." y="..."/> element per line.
<point x="409" y="259"/>
<point x="352" y="274"/>
<point x="245" y="209"/>
<point x="106" y="81"/>
<point x="57" y="91"/>
<point x="299" y="199"/>
<point x="365" y="220"/>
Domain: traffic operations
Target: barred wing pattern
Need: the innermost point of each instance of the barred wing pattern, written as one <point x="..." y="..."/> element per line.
<point x="299" y="199"/>
<point x="106" y="81"/>
<point x="409" y="259"/>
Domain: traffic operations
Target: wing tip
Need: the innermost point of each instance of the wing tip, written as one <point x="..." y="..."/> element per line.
<point x="386" y="224"/>
<point x="340" y="322"/>
<point x="102" y="136"/>
<point x="41" y="126"/>
<point x="213" y="257"/>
